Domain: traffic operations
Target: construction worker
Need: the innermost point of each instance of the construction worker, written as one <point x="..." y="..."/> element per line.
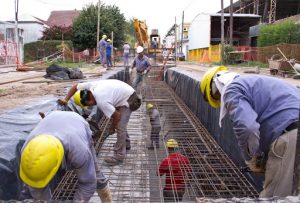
<point x="102" y="48"/>
<point x="264" y="112"/>
<point x="126" y="49"/>
<point x="176" y="167"/>
<point x="155" y="125"/>
<point x="108" y="54"/>
<point x="142" y="65"/>
<point x="62" y="140"/>
<point x="116" y="100"/>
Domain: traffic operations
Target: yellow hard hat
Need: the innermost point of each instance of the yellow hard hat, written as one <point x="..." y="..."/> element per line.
<point x="171" y="143"/>
<point x="40" y="160"/>
<point x="104" y="36"/>
<point x="205" y="85"/>
<point x="149" y="106"/>
<point x="77" y="99"/>
<point x="108" y="40"/>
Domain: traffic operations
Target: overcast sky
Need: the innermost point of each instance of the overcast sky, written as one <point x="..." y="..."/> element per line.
<point x="159" y="14"/>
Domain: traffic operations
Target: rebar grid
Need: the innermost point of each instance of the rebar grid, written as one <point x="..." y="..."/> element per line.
<point x="212" y="172"/>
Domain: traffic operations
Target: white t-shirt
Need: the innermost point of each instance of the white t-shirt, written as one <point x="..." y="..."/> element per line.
<point x="126" y="48"/>
<point x="108" y="94"/>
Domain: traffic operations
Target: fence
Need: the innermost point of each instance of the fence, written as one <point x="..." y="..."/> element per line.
<point x="8" y="53"/>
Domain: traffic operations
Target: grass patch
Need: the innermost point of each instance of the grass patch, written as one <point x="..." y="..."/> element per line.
<point x="2" y="91"/>
<point x="251" y="64"/>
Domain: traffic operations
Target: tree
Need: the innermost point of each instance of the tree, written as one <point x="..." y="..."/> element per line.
<point x="285" y="32"/>
<point x="130" y="33"/>
<point x="58" y="33"/>
<point x="85" y="26"/>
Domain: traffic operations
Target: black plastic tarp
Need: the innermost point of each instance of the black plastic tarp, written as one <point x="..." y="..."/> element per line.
<point x="16" y="124"/>
<point x="179" y="80"/>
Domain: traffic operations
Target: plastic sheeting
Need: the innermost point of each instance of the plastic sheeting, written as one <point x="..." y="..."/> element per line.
<point x="16" y="124"/>
<point x="179" y="80"/>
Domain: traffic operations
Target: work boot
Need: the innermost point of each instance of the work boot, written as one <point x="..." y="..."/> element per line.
<point x="112" y="161"/>
<point x="151" y="147"/>
<point x="128" y="148"/>
<point x="105" y="194"/>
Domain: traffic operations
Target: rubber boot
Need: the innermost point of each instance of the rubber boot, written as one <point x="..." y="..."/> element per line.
<point x="105" y="194"/>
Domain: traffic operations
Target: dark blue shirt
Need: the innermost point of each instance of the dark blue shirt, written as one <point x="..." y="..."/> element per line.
<point x="108" y="49"/>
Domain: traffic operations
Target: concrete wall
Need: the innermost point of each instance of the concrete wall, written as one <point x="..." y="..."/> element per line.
<point x="181" y="81"/>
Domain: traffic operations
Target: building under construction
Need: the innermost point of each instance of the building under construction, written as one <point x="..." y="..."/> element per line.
<point x="270" y="10"/>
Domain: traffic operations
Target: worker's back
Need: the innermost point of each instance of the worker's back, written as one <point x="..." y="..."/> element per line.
<point x="175" y="166"/>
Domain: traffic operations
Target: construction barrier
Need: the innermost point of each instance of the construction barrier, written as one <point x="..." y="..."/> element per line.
<point x="206" y="55"/>
<point x="8" y="52"/>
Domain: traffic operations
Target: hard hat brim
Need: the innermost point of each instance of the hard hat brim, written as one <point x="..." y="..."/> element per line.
<point x="44" y="182"/>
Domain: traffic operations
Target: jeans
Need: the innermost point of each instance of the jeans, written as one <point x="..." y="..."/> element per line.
<point x="137" y="80"/>
<point x="126" y="59"/>
<point x="108" y="61"/>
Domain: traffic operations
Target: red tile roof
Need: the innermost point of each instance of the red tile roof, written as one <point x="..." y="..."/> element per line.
<point x="62" y="18"/>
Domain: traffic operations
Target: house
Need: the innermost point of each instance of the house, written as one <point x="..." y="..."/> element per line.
<point x="62" y="18"/>
<point x="33" y="27"/>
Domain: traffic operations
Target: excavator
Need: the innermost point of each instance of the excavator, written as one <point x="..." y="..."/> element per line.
<point x="150" y="43"/>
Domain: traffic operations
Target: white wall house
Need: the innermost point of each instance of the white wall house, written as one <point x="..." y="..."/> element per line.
<point x="32" y="26"/>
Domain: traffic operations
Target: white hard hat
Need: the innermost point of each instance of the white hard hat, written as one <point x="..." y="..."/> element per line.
<point x="139" y="49"/>
<point x="104" y="36"/>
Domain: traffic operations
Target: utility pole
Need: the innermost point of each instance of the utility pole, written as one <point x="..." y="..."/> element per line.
<point x="112" y="49"/>
<point x="181" y="44"/>
<point x="231" y="23"/>
<point x="175" y="42"/>
<point x="98" y="25"/>
<point x="17" y="31"/>
<point x="222" y="31"/>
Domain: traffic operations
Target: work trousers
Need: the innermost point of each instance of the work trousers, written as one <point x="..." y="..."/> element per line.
<point x="138" y="78"/>
<point x="122" y="135"/>
<point x="108" y="61"/>
<point x="126" y="59"/>
<point x="173" y="195"/>
<point x="155" y="134"/>
<point x="102" y="57"/>
<point x="280" y="166"/>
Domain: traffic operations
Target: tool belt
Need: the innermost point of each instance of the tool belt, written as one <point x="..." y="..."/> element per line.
<point x="134" y="102"/>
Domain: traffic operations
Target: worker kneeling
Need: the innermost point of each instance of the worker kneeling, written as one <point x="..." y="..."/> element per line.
<point x="63" y="140"/>
<point x="177" y="168"/>
<point x="264" y="112"/>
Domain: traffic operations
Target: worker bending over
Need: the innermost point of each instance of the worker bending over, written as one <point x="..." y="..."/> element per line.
<point x="155" y="125"/>
<point x="264" y="112"/>
<point x="142" y="65"/>
<point x="62" y="140"/>
<point x="176" y="167"/>
<point x="116" y="100"/>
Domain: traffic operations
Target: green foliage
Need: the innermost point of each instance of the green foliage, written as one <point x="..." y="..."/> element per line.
<point x="57" y="33"/>
<point x="230" y="58"/>
<point x="37" y="50"/>
<point x="85" y="26"/>
<point x="286" y="32"/>
<point x="130" y="33"/>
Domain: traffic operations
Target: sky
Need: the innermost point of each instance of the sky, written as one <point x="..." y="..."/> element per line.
<point x="158" y="14"/>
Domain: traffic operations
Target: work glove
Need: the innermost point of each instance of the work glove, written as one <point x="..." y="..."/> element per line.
<point x="111" y="130"/>
<point x="105" y="194"/>
<point x="258" y="169"/>
<point x="62" y="102"/>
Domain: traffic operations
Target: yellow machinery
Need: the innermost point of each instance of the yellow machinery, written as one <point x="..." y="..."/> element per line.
<point x="152" y="43"/>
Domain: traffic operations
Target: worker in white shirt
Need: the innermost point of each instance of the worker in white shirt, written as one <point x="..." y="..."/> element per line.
<point x="116" y="100"/>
